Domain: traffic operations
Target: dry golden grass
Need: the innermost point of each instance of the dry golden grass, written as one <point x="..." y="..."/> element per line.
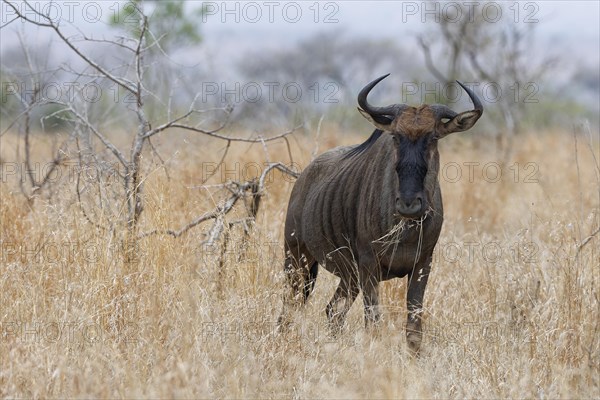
<point x="512" y="307"/>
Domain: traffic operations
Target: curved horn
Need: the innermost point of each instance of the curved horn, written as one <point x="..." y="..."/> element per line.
<point x="441" y="111"/>
<point x="476" y="102"/>
<point x="372" y="110"/>
<point x="458" y="122"/>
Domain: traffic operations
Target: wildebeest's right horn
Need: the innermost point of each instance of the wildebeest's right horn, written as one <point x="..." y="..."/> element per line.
<point x="441" y="111"/>
<point x="379" y="114"/>
<point x="458" y="122"/>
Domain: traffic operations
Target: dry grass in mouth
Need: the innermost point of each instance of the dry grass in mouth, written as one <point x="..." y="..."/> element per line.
<point x="512" y="308"/>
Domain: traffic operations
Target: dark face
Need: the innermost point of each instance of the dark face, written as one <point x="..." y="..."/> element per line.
<point x="416" y="131"/>
<point x="416" y="166"/>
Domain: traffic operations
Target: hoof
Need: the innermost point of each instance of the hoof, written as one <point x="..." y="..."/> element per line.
<point x="413" y="340"/>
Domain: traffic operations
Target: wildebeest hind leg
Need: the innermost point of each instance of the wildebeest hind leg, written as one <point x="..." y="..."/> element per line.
<point x="369" y="284"/>
<point x="301" y="273"/>
<point x="345" y="293"/>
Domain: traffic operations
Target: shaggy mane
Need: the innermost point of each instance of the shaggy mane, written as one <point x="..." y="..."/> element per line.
<point x="359" y="149"/>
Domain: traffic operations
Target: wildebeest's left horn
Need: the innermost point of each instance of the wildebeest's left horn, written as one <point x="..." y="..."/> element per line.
<point x="379" y="114"/>
<point x="473" y="96"/>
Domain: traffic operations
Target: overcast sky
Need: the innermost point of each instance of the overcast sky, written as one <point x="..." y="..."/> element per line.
<point x="294" y="20"/>
<point x="572" y="25"/>
<point x="390" y="18"/>
<point x="232" y="28"/>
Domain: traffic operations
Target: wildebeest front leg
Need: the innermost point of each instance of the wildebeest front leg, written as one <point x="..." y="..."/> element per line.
<point x="417" y="281"/>
<point x="345" y="293"/>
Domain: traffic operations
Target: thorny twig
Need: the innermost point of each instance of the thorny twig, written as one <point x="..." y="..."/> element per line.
<point x="238" y="191"/>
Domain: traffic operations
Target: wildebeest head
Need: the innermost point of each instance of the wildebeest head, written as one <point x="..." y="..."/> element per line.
<point x="416" y="131"/>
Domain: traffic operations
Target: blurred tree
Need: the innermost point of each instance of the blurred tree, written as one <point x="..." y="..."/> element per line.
<point x="328" y="56"/>
<point x="172" y="26"/>
<point x="26" y="79"/>
<point x="9" y="103"/>
<point x="329" y="68"/>
<point x="470" y="45"/>
<point x="116" y="204"/>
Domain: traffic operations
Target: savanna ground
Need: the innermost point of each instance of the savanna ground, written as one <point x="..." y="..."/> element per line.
<point x="512" y="305"/>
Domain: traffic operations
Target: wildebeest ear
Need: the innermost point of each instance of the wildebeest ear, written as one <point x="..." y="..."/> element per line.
<point x="379" y="121"/>
<point x="462" y="122"/>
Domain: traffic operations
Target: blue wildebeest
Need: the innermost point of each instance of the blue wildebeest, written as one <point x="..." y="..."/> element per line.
<point x="372" y="212"/>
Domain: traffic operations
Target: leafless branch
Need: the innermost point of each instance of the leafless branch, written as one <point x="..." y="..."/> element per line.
<point x="86" y="38"/>
<point x="219" y="211"/>
<point x="50" y="24"/>
<point x="238" y="191"/>
<point x="157" y="154"/>
<point x="138" y="58"/>
<point x="116" y="152"/>
<point x="429" y="62"/>
<point x="289" y="149"/>
<point x="215" y="232"/>
<point x="219" y="164"/>
<point x="78" y="189"/>
<point x="477" y="66"/>
<point x="9" y="22"/>
<point x="133" y="80"/>
<point x="265" y="149"/>
<point x="234" y="139"/>
<point x="279" y="166"/>
<point x="58" y="160"/>
<point x="24" y="112"/>
<point x="169" y="124"/>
